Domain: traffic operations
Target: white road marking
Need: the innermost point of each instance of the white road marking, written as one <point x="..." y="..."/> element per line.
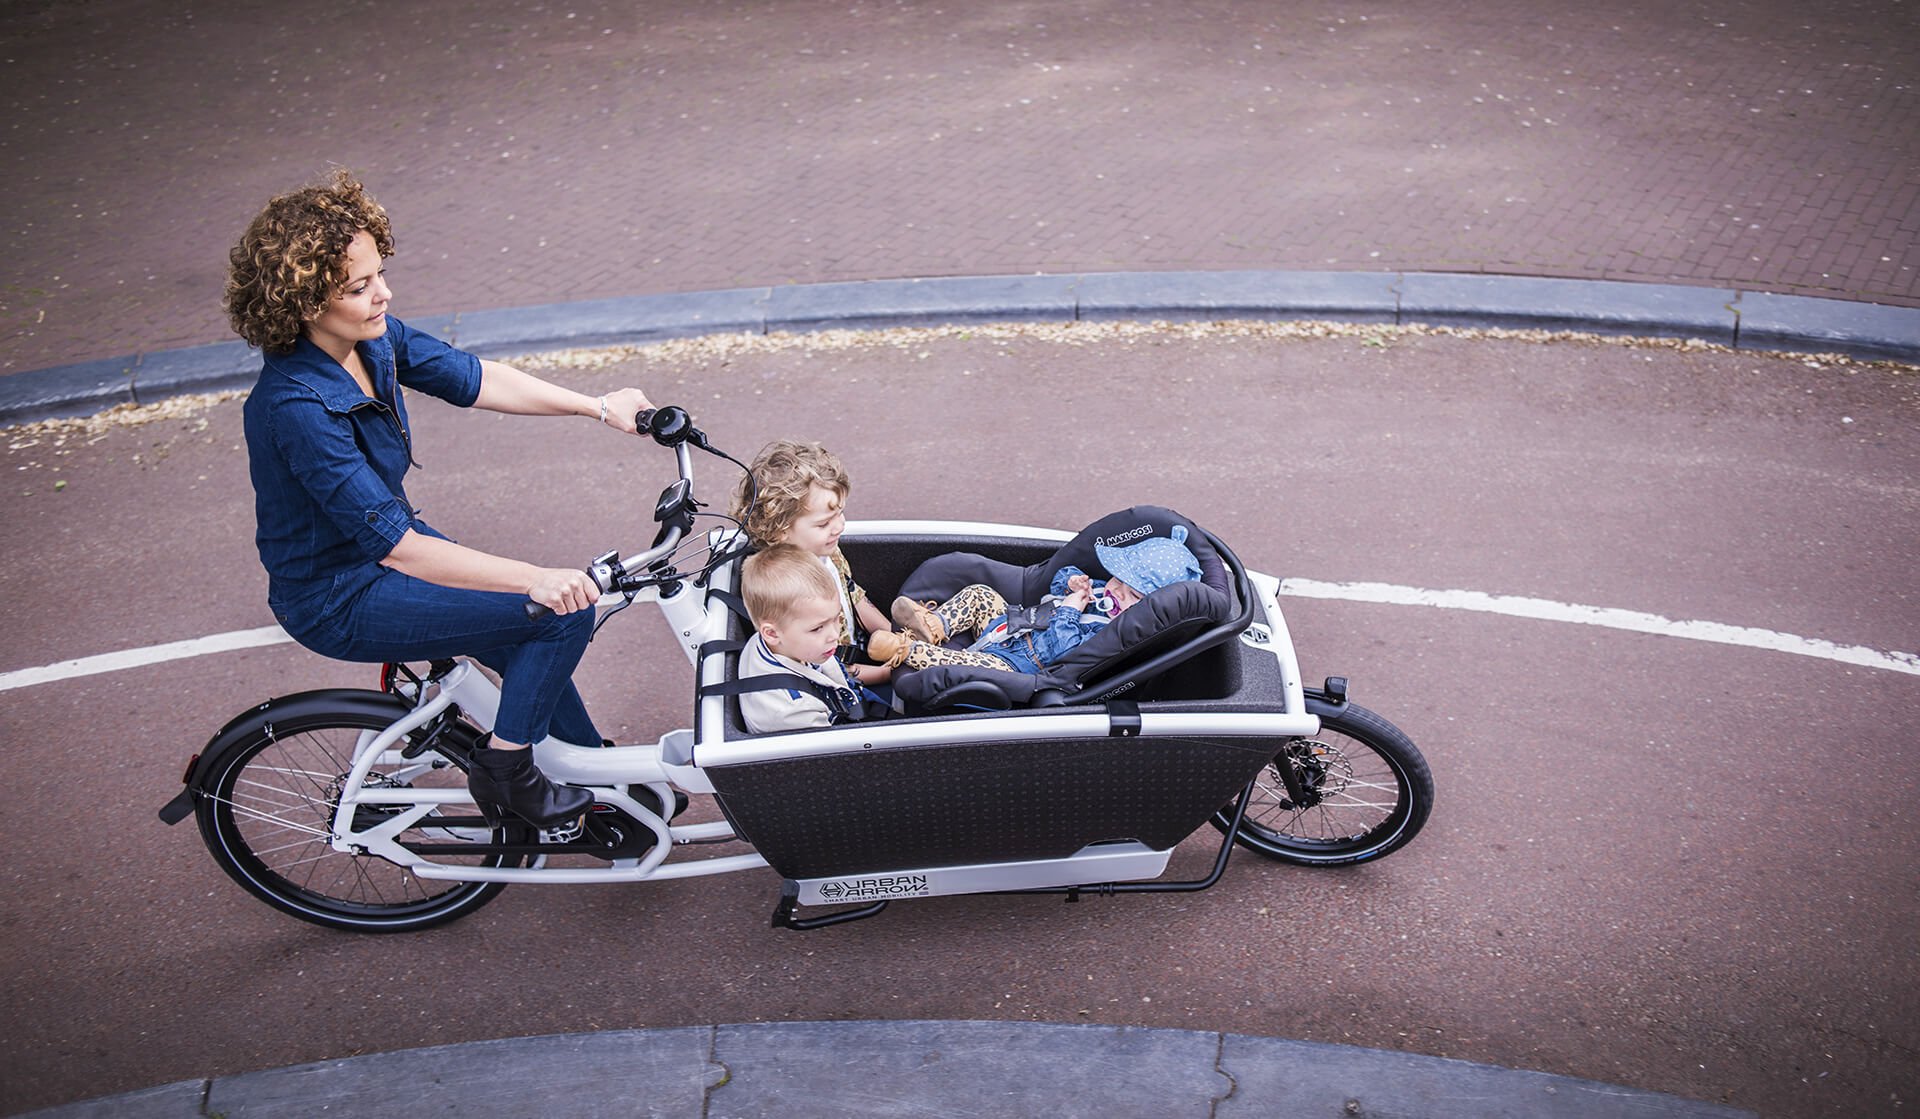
<point x="1383" y="593"/>
<point x="136" y="658"/>
<point x="1631" y="620"/>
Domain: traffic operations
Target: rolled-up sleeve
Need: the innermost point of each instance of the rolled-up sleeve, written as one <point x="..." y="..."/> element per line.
<point x="426" y="364"/>
<point x="319" y="449"/>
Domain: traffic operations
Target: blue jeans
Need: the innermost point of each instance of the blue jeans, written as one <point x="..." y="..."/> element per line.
<point x="1018" y="652"/>
<point x="400" y="618"/>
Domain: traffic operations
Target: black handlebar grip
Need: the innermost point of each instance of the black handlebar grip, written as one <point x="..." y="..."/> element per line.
<point x="597" y="572"/>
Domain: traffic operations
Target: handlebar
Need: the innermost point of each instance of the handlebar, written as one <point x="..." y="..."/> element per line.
<point x="670" y="427"/>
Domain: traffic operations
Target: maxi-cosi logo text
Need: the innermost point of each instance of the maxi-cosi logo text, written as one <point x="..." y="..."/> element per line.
<point x="1116" y="541"/>
<point x="880" y="886"/>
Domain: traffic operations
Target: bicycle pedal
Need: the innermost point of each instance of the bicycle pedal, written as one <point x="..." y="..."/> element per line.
<point x="603" y="828"/>
<point x="568" y="832"/>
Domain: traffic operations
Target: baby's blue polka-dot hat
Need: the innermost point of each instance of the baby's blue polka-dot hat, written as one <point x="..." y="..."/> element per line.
<point x="1153" y="563"/>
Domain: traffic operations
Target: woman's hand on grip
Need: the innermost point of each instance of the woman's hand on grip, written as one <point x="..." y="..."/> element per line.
<point x="623" y="405"/>
<point x="563" y="590"/>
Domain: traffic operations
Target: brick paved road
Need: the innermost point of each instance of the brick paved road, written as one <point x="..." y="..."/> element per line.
<point x="542" y="153"/>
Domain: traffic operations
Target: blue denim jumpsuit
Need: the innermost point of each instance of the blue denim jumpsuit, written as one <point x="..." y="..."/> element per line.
<point x="328" y="465"/>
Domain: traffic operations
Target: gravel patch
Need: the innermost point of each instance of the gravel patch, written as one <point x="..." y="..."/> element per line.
<point x="720" y="348"/>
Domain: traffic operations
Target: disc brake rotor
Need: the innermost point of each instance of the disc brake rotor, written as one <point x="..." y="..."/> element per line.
<point x="1322" y="770"/>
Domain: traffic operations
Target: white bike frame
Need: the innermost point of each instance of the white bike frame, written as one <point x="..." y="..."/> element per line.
<point x="675" y="761"/>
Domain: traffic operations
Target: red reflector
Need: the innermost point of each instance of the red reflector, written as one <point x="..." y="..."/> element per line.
<point x="191" y="763"/>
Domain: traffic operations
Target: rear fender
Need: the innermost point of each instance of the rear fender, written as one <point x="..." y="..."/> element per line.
<point x="245" y="726"/>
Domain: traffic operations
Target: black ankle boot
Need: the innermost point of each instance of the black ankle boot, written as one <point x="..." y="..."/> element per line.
<point x="504" y="781"/>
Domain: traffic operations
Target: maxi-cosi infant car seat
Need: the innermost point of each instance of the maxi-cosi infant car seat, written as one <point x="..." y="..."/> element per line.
<point x="1164" y="629"/>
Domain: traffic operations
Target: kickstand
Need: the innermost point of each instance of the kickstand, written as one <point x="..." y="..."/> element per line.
<point x="783" y="917"/>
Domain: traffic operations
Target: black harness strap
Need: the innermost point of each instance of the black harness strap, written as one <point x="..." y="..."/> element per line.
<point x="844" y="705"/>
<point x="782" y="681"/>
<point x="732" y="602"/>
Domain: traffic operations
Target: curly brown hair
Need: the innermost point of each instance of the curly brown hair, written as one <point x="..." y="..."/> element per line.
<point x="292" y="259"/>
<point x="783" y="474"/>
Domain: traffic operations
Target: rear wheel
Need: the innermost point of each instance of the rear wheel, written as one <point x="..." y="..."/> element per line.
<point x="1357" y="791"/>
<point x="266" y="812"/>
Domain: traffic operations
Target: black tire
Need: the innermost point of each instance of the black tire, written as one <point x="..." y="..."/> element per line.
<point x="1372" y="793"/>
<point x="266" y="807"/>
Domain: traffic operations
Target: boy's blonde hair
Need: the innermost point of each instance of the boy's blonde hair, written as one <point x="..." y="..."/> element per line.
<point x="778" y="579"/>
<point x="784" y="473"/>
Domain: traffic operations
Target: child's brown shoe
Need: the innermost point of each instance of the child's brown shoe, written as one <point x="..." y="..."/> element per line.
<point x="889" y="648"/>
<point x="919" y="620"/>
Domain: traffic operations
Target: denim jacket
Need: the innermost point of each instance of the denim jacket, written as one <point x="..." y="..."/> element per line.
<point x="329" y="463"/>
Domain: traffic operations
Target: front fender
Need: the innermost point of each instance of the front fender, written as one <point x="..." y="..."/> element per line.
<point x="245" y="726"/>
<point x="1329" y="699"/>
<point x="1318" y="704"/>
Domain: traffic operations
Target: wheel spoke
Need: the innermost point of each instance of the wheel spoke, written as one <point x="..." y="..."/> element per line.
<point x="294" y="845"/>
<point x="260" y="790"/>
<point x="284" y="867"/>
<point x="277" y="821"/>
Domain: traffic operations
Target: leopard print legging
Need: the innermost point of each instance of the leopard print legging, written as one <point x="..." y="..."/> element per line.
<point x="970" y="608"/>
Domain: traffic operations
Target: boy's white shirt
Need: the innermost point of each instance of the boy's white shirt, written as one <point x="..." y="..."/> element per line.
<point x="786" y="708"/>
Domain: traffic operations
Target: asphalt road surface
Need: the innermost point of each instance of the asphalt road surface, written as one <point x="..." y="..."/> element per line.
<point x="1674" y="864"/>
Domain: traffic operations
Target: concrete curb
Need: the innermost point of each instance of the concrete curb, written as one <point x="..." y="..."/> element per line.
<point x="885" y="1069"/>
<point x="1751" y="320"/>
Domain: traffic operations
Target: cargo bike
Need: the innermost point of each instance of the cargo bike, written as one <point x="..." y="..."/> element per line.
<point x="349" y="808"/>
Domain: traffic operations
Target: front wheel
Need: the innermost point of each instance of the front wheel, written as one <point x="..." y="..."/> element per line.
<point x="1355" y="792"/>
<point x="266" y="812"/>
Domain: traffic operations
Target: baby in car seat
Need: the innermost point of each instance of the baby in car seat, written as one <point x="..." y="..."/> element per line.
<point x="1017" y="639"/>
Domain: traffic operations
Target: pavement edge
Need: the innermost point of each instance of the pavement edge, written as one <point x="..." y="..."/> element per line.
<point x="878" y="1068"/>
<point x="1746" y="320"/>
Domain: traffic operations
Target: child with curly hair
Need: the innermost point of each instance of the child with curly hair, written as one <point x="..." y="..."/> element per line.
<point x="796" y="493"/>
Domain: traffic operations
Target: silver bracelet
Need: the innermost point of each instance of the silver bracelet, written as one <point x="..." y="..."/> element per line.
<point x="603" y="409"/>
